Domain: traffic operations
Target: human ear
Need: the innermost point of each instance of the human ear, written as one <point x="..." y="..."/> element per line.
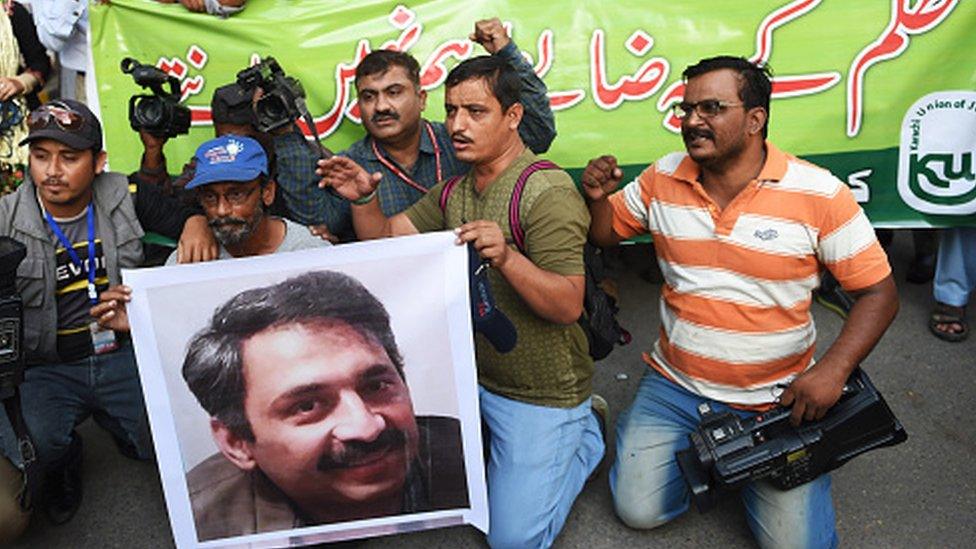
<point x="757" y="120"/>
<point x="514" y="115"/>
<point x="268" y="192"/>
<point x="236" y="449"/>
<point x="100" y="159"/>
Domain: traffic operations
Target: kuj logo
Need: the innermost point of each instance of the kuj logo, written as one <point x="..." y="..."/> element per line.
<point x="936" y="168"/>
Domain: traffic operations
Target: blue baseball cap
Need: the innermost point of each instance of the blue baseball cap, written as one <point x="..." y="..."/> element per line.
<point x="228" y="158"/>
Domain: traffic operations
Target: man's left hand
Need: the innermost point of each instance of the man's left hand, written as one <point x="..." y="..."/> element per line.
<point x="110" y="312"/>
<point x="488" y="239"/>
<point x="197" y="242"/>
<point x="491" y="34"/>
<point x="813" y="392"/>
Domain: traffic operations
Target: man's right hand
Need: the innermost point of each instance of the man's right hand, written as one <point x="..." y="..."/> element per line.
<point x="601" y="177"/>
<point x="348" y="178"/>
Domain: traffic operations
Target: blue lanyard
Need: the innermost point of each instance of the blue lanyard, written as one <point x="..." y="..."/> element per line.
<point x="70" y="249"/>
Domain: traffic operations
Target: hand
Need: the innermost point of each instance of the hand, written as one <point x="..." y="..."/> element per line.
<point x="198" y="6"/>
<point x="110" y="312"/>
<point x="322" y="231"/>
<point x="348" y="179"/>
<point x="152" y="142"/>
<point x="10" y="87"/>
<point x="812" y="393"/>
<point x="491" y="34"/>
<point x="197" y="242"/>
<point x="601" y="177"/>
<point x="488" y="239"/>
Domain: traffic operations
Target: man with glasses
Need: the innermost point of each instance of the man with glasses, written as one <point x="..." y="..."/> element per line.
<point x="741" y="230"/>
<point x="80" y="227"/>
<point x="235" y="185"/>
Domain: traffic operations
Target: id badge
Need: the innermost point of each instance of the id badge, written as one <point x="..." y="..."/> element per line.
<point x="103" y="339"/>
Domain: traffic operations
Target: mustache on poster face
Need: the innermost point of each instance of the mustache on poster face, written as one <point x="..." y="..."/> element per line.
<point x="355" y="452"/>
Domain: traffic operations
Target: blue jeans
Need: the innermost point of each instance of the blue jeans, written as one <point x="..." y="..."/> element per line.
<point x="540" y="457"/>
<point x="649" y="490"/>
<point x="57" y="397"/>
<point x="955" y="271"/>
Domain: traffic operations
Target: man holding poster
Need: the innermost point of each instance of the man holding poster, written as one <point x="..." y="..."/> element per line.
<point x="544" y="439"/>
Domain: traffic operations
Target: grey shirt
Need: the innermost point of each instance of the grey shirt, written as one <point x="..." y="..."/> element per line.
<point x="297" y="237"/>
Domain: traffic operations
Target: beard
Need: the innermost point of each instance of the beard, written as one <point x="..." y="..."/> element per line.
<point x="232" y="231"/>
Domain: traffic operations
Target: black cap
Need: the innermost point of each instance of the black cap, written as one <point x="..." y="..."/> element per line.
<point x="88" y="136"/>
<point x="231" y="104"/>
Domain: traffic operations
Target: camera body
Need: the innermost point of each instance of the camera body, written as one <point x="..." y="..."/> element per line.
<point x="161" y="113"/>
<point x="282" y="98"/>
<point x="727" y="451"/>
<point x="11" y="317"/>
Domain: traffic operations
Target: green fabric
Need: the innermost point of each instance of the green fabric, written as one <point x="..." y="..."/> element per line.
<point x="550" y="365"/>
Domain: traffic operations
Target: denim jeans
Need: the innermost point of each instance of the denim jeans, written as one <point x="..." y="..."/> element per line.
<point x="649" y="490"/>
<point x="955" y="271"/>
<point x="539" y="459"/>
<point x="57" y="397"/>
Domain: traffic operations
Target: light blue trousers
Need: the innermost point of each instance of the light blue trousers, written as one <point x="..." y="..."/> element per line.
<point x="649" y="490"/>
<point x="539" y="459"/>
<point x="955" y="271"/>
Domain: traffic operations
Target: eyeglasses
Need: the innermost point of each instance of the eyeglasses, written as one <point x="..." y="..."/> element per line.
<point x="236" y="196"/>
<point x="59" y="114"/>
<point x="705" y="109"/>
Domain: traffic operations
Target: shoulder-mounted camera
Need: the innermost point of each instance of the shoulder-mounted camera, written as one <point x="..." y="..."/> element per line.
<point x="727" y="451"/>
<point x="282" y="98"/>
<point x="160" y="114"/>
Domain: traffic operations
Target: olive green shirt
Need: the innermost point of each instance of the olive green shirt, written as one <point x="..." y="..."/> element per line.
<point x="550" y="365"/>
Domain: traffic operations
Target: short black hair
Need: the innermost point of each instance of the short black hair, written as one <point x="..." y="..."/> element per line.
<point x="501" y="78"/>
<point x="755" y="86"/>
<point x="213" y="367"/>
<point x="380" y="61"/>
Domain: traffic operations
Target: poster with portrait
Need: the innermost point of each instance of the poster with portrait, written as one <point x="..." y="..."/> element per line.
<point x="313" y="396"/>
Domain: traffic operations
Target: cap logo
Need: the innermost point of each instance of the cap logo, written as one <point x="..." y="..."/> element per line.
<point x="224" y="153"/>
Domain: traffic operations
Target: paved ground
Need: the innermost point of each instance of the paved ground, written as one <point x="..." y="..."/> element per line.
<point x="919" y="494"/>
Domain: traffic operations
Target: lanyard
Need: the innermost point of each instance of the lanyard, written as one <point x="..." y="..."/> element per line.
<point x="404" y="177"/>
<point x="70" y="249"/>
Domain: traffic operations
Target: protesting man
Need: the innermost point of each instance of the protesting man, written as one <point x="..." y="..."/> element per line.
<point x="234" y="186"/>
<point x="310" y="409"/>
<point x="80" y="227"/>
<point x="741" y="231"/>
<point x="408" y="154"/>
<point x="544" y="440"/>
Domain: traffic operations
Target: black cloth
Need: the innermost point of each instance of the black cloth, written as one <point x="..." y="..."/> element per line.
<point x="230" y="502"/>
<point x="35" y="56"/>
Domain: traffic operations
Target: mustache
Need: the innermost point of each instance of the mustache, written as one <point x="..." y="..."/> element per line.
<point x="354" y="452"/>
<point x="53" y="181"/>
<point x="692" y="133"/>
<point x="380" y="115"/>
<point x="221" y="222"/>
<point x="458" y="136"/>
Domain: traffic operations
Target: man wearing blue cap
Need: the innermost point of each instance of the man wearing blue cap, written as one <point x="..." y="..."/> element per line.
<point x="234" y="186"/>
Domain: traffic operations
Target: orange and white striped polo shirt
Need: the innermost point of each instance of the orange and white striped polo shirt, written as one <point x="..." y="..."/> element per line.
<point x="735" y="305"/>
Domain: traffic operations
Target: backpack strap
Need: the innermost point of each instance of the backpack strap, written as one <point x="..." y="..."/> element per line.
<point x="446" y="191"/>
<point x="518" y="234"/>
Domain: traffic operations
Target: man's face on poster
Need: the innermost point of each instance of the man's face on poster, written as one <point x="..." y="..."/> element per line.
<point x="332" y="419"/>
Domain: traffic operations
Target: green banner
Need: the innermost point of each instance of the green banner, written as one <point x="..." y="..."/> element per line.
<point x="881" y="92"/>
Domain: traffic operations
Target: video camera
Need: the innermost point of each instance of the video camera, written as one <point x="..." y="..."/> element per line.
<point x="11" y="317"/>
<point x="727" y="451"/>
<point x="160" y="114"/>
<point x="279" y="103"/>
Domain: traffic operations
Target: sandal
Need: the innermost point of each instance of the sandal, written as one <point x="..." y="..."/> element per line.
<point x="944" y="315"/>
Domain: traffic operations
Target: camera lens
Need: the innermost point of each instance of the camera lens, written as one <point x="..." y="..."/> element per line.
<point x="149" y="111"/>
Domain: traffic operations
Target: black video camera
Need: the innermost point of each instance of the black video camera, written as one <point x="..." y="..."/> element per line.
<point x="727" y="451"/>
<point x="160" y="114"/>
<point x="282" y="100"/>
<point x="11" y="317"/>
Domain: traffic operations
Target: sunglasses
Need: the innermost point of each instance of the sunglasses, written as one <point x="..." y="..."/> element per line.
<point x="59" y="114"/>
<point x="705" y="109"/>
